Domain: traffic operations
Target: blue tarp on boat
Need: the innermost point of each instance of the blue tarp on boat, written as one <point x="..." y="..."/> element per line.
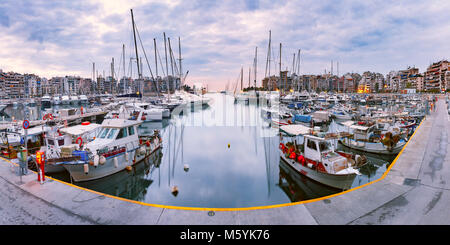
<point x="302" y="118"/>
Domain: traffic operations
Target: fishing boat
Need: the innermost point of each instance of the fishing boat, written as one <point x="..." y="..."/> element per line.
<point x="366" y="138"/>
<point x="61" y="142"/>
<point x="316" y="158"/>
<point x="117" y="147"/>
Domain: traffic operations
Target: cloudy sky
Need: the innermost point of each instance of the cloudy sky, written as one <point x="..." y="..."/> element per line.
<point x="52" y="38"/>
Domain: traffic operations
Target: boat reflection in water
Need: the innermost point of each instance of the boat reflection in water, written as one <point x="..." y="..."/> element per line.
<point x="131" y="184"/>
<point x="298" y="187"/>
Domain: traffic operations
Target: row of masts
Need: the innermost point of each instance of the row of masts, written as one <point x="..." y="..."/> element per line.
<point x="175" y="68"/>
<point x="295" y="67"/>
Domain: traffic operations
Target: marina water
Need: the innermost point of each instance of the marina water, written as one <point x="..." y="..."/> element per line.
<point x="222" y="156"/>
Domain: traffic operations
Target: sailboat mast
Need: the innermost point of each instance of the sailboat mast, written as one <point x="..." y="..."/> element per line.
<point x="256" y="61"/>
<point x="156" y="61"/>
<point x="249" y="77"/>
<point x="242" y="77"/>
<point x="280" y="68"/>
<point x="170" y="54"/>
<point x="269" y="59"/>
<point x="135" y="45"/>
<point x="179" y="59"/>
<point x="167" y="67"/>
<point x="112" y="75"/>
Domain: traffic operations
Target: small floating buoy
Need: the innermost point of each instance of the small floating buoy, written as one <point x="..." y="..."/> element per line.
<point x="174" y="190"/>
<point x="116" y="162"/>
<point x="128" y="168"/>
<point x="186" y="167"/>
<point x="126" y="156"/>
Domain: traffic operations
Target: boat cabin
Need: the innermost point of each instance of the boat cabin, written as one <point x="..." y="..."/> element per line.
<point x="116" y="133"/>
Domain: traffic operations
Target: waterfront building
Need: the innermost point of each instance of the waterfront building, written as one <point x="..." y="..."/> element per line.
<point x="85" y="86"/>
<point x="31" y="85"/>
<point x="100" y="85"/>
<point x="348" y="83"/>
<point x="435" y="77"/>
<point x="270" y="83"/>
<point x="13" y="84"/>
<point x="109" y="85"/>
<point x="73" y="84"/>
<point x="57" y="85"/>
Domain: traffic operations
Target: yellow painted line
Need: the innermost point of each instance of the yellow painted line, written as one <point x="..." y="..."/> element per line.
<point x="238" y="209"/>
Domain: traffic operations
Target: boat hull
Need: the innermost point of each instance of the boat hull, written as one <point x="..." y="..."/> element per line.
<point x="338" y="181"/>
<point x="377" y="148"/>
<point x="77" y="171"/>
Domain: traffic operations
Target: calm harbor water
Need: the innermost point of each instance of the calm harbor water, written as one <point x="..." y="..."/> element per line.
<point x="232" y="157"/>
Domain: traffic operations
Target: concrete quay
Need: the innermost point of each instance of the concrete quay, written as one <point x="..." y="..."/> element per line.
<point x="416" y="190"/>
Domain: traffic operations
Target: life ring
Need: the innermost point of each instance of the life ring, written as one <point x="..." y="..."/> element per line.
<point x="47" y="116"/>
<point x="115" y="116"/>
<point x="79" y="139"/>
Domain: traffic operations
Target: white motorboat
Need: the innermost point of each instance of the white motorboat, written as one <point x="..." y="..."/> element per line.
<point x="341" y="115"/>
<point x="46" y="101"/>
<point x="318" y="160"/>
<point x="74" y="100"/>
<point x="149" y="114"/>
<point x="116" y="148"/>
<point x="65" y="100"/>
<point x="56" y="100"/>
<point x="84" y="99"/>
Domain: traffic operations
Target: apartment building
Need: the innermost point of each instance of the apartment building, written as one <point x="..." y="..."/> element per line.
<point x="435" y="77"/>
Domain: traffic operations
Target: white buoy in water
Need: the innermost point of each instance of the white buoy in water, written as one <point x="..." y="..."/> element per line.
<point x="96" y="160"/>
<point x="86" y="168"/>
<point x="186" y="167"/>
<point x="116" y="162"/>
<point x="102" y="160"/>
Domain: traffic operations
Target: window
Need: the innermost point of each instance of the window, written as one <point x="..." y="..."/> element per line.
<point x="51" y="142"/>
<point x="61" y="142"/>
<point x="312" y="145"/>
<point x="112" y="133"/>
<point x="131" y="130"/>
<point x="323" y="146"/>
<point x="122" y="133"/>
<point x="103" y="133"/>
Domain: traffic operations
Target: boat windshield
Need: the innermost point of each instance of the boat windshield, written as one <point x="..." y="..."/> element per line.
<point x="103" y="133"/>
<point x="324" y="146"/>
<point x="112" y="132"/>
